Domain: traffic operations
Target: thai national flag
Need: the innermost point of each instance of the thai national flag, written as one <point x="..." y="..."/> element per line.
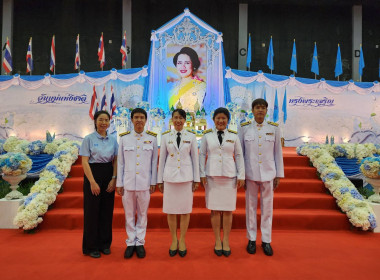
<point x="52" y="54"/>
<point x="112" y="103"/>
<point x="94" y="105"/>
<point x="7" y="62"/>
<point x="101" y="53"/>
<point x="123" y="50"/>
<point x="29" y="57"/>
<point x="77" y="55"/>
<point x="103" y="103"/>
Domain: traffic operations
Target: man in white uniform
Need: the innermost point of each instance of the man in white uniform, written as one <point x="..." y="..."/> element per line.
<point x="136" y="180"/>
<point x="261" y="144"/>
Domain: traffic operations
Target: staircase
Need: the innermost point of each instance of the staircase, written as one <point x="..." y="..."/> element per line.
<point x="300" y="203"/>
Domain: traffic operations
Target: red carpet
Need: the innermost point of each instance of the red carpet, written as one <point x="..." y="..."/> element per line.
<point x="56" y="255"/>
<point x="300" y="203"/>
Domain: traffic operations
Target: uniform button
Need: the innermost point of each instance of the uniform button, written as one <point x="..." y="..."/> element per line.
<point x="259" y="145"/>
<point x="258" y="128"/>
<point x="178" y="167"/>
<point x="137" y="163"/>
<point x="259" y="154"/>
<point x="220" y="161"/>
<point x="259" y="161"/>
<point x="138" y="138"/>
<point x="259" y="136"/>
<point x="138" y="147"/>
<point x="177" y="153"/>
<point x="137" y="173"/>
<point x="138" y="155"/>
<point x="179" y="160"/>
<point x="220" y="154"/>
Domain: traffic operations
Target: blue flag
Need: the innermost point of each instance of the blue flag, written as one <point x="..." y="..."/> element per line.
<point x="293" y="63"/>
<point x="314" y="63"/>
<point x="275" y="109"/>
<point x="284" y="110"/>
<point x="361" y="62"/>
<point x="338" y="65"/>
<point x="249" y="52"/>
<point x="270" y="55"/>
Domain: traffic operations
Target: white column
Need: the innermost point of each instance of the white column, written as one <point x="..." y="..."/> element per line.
<point x="7" y="28"/>
<point x="127" y="26"/>
<point x="243" y="36"/>
<point x="356" y="39"/>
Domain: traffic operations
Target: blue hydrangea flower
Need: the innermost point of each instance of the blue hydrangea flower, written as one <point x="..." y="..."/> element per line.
<point x="58" y="175"/>
<point x="58" y="154"/>
<point x="343" y="190"/>
<point x="372" y="221"/>
<point x="29" y="199"/>
<point x="356" y="194"/>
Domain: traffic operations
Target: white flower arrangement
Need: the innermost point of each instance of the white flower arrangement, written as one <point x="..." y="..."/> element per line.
<point x="45" y="190"/>
<point x="357" y="209"/>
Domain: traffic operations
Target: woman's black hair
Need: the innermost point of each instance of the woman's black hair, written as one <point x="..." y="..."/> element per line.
<point x="221" y="110"/>
<point x="259" y="101"/>
<point x="139" y="110"/>
<point x="97" y="114"/>
<point x="181" y="112"/>
<point x="193" y="57"/>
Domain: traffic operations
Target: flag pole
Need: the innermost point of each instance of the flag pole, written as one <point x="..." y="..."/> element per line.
<point x="55" y="63"/>
<point x="31" y="50"/>
<point x="315" y="76"/>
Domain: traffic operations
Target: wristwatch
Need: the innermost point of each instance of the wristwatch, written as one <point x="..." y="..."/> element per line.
<point x="114" y="177"/>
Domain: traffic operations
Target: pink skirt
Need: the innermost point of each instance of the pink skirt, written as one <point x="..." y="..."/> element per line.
<point x="221" y="193"/>
<point x="178" y="198"/>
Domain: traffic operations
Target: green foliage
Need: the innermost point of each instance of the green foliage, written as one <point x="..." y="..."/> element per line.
<point x="365" y="192"/>
<point x="24" y="188"/>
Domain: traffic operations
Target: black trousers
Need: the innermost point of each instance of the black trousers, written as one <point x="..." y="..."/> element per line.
<point x="98" y="210"/>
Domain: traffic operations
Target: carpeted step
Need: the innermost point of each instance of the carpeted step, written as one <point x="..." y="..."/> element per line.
<point x="288" y="219"/>
<point x="286" y="185"/>
<point x="281" y="200"/>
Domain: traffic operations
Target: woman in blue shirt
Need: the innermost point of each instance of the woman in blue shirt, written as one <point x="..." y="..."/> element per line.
<point x="99" y="160"/>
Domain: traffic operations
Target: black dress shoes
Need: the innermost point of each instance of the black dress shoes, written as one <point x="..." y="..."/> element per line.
<point x="226" y="253"/>
<point x="267" y="249"/>
<point x="140" y="251"/>
<point x="251" y="247"/>
<point x="182" y="253"/>
<point x="218" y="252"/>
<point x="95" y="254"/>
<point x="129" y="252"/>
<point x="106" y="251"/>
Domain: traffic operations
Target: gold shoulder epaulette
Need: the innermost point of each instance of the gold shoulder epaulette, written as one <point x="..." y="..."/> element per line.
<point x="273" y="123"/>
<point x="166" y="132"/>
<point x="189" y="130"/>
<point x="207" y="131"/>
<point x="245" y="123"/>
<point x="151" y="133"/>
<point x="124" y="133"/>
<point x="232" y="131"/>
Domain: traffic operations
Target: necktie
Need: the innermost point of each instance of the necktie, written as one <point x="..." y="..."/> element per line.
<point x="178" y="138"/>
<point x="220" y="132"/>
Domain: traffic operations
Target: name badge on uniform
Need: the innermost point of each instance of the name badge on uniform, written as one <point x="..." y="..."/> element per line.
<point x="147" y="142"/>
<point x="170" y="142"/>
<point x="188" y="142"/>
<point x="269" y="133"/>
<point x="230" y="141"/>
<point x="96" y="144"/>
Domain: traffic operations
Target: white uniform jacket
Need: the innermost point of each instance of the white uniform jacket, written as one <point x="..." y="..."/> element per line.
<point x="137" y="161"/>
<point x="181" y="164"/>
<point x="262" y="151"/>
<point x="220" y="157"/>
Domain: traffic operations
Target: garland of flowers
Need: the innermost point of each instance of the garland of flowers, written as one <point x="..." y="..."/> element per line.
<point x="45" y="190"/>
<point x="357" y="209"/>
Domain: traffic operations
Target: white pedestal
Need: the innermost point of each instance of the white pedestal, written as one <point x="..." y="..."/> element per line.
<point x="376" y="209"/>
<point x="8" y="210"/>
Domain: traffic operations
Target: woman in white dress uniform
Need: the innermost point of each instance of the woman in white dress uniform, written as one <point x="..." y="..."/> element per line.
<point x="221" y="176"/>
<point x="178" y="178"/>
